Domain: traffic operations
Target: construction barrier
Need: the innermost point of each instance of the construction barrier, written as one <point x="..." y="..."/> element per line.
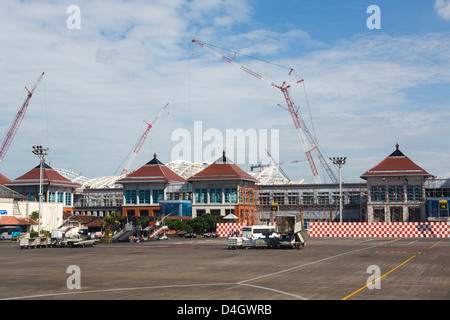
<point x="380" y="229"/>
<point x="226" y="229"/>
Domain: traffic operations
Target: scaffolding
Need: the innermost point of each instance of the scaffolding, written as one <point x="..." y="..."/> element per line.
<point x="314" y="202"/>
<point x="395" y="199"/>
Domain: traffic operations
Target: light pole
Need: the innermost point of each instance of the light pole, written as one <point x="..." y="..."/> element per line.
<point x="339" y="161"/>
<point x="41" y="153"/>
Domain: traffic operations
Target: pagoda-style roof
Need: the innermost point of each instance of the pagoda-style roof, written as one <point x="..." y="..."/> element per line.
<point x="222" y="169"/>
<point x="49" y="177"/>
<point x="4" y="180"/>
<point x="153" y="171"/>
<point x="396" y="164"/>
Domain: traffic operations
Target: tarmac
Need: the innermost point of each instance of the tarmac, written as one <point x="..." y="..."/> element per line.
<point x="205" y="269"/>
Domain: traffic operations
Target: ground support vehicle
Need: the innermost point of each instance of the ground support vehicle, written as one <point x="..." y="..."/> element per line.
<point x="288" y="233"/>
<point x="69" y="237"/>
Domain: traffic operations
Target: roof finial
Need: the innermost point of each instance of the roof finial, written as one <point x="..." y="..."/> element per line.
<point x="154" y="155"/>
<point x="397" y="145"/>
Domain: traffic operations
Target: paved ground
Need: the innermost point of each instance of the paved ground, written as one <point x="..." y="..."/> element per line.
<point x="191" y="269"/>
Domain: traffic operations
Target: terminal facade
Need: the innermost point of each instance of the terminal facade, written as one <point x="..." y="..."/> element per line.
<point x="395" y="190"/>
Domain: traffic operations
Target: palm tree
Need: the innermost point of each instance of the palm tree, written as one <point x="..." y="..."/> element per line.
<point x="114" y="219"/>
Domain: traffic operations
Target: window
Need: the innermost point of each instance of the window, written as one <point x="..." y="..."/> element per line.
<point x="395" y="193"/>
<point x="414" y="193"/>
<point x="278" y="198"/>
<point x="378" y="193"/>
<point x="30" y="196"/>
<point x="354" y="198"/>
<point x="60" y="197"/>
<point x="378" y="215"/>
<point x="130" y="197"/>
<point x="230" y="195"/>
<point x="52" y="197"/>
<point x="144" y="196"/>
<point x="293" y="198"/>
<point x="215" y="195"/>
<point x="157" y="195"/>
<point x="68" y="199"/>
<point x="308" y="198"/>
<point x="264" y="199"/>
<point x="201" y="196"/>
<point x="324" y="198"/>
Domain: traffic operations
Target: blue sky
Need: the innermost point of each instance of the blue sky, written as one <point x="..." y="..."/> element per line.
<point x="367" y="89"/>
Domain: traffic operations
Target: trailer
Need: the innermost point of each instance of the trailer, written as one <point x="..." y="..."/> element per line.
<point x="68" y="237"/>
<point x="288" y="233"/>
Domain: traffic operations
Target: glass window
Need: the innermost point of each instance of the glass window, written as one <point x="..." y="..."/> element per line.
<point x="293" y="198"/>
<point x="230" y="195"/>
<point x="278" y="198"/>
<point x="60" y="197"/>
<point x="30" y="196"/>
<point x="215" y="195"/>
<point x="144" y="196"/>
<point x="414" y="193"/>
<point x="395" y="193"/>
<point x="157" y="195"/>
<point x="68" y="199"/>
<point x="130" y="197"/>
<point x="200" y="196"/>
<point x="378" y="193"/>
<point x="308" y="198"/>
<point x="52" y="197"/>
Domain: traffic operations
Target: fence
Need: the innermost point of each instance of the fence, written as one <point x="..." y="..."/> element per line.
<point x="225" y="229"/>
<point x="381" y="229"/>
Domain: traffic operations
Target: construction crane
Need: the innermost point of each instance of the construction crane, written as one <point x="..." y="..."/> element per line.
<point x="9" y="136"/>
<point x="260" y="165"/>
<point x="308" y="142"/>
<point x="141" y="142"/>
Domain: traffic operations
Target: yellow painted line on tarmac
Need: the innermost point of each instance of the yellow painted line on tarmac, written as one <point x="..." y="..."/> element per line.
<point x="401" y="264"/>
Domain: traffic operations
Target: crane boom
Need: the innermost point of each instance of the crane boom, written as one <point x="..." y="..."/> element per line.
<point x="141" y="142"/>
<point x="9" y="136"/>
<point x="308" y="142"/>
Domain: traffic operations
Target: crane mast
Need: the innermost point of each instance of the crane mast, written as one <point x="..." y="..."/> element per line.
<point x="141" y="142"/>
<point x="306" y="138"/>
<point x="17" y="121"/>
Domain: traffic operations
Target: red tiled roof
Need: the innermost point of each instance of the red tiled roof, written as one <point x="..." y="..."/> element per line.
<point x="396" y="164"/>
<point x="222" y="169"/>
<point x="4" y="180"/>
<point x="14" y="221"/>
<point x="153" y="171"/>
<point x="50" y="176"/>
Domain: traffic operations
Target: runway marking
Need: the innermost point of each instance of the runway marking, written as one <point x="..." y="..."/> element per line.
<point x="309" y="263"/>
<point x="401" y="264"/>
<point x="44" y="259"/>
<point x="239" y="283"/>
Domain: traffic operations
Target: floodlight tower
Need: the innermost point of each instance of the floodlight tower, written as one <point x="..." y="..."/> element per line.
<point x="41" y="153"/>
<point x="339" y="161"/>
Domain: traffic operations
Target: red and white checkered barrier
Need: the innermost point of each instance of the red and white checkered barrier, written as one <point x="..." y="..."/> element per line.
<point x="224" y="229"/>
<point x="381" y="229"/>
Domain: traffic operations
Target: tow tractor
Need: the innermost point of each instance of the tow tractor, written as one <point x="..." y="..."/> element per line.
<point x="287" y="233"/>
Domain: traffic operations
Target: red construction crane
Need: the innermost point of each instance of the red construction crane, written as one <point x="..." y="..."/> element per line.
<point x="141" y="142"/>
<point x="308" y="142"/>
<point x="7" y="140"/>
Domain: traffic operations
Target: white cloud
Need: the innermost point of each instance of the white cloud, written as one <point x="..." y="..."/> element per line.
<point x="442" y="8"/>
<point x="130" y="58"/>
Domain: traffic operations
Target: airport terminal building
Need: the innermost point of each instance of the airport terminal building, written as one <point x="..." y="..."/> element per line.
<point x="394" y="190"/>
